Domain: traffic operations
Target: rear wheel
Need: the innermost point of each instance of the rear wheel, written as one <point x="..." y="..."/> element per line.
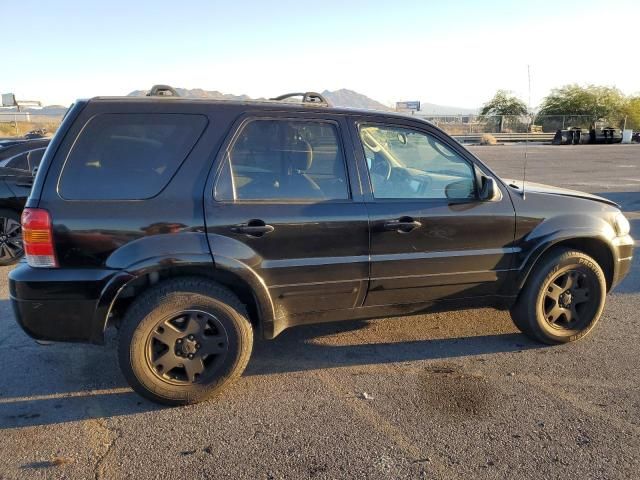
<point x="11" y="248"/>
<point x="182" y="341"/>
<point x="563" y="298"/>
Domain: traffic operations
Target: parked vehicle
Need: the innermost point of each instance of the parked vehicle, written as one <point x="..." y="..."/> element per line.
<point x="24" y="161"/>
<point x="37" y="133"/>
<point x="193" y="225"/>
<point x="11" y="148"/>
<point x="16" y="179"/>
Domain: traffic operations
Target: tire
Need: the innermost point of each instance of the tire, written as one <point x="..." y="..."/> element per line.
<point x="11" y="248"/>
<point x="180" y="327"/>
<point x="563" y="298"/>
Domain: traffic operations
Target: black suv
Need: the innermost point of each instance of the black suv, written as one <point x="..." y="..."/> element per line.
<point x="193" y="225"/>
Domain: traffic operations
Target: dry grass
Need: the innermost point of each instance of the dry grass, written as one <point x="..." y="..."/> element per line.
<point x="13" y="130"/>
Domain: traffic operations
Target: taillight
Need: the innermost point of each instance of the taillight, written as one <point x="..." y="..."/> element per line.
<point x="37" y="237"/>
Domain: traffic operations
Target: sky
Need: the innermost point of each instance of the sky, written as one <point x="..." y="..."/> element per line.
<point x="445" y="52"/>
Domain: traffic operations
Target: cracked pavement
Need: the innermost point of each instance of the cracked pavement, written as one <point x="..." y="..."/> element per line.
<point x="448" y="395"/>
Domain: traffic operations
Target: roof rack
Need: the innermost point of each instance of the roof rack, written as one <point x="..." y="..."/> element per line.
<point x="162" y="91"/>
<point x="307" y="97"/>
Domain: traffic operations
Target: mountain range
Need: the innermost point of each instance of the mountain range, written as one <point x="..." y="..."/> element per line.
<point x="339" y="98"/>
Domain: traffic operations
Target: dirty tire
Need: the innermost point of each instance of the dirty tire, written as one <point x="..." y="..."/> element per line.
<point x="151" y="311"/>
<point x="545" y="294"/>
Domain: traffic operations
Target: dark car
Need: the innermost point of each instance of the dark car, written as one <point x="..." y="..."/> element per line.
<point x="16" y="179"/>
<point x="193" y="225"/>
<point x="11" y="148"/>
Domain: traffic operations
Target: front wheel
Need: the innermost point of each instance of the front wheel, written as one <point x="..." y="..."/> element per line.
<point x="563" y="298"/>
<point x="182" y="341"/>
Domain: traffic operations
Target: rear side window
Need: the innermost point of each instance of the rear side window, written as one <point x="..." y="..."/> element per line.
<point x="283" y="160"/>
<point x="19" y="161"/>
<point x="125" y="156"/>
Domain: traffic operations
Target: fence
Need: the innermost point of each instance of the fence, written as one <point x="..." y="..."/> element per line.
<point x="17" y="124"/>
<point x="460" y="125"/>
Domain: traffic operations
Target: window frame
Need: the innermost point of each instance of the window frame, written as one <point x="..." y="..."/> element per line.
<point x="224" y="157"/>
<point x="476" y="170"/>
<point x="78" y="135"/>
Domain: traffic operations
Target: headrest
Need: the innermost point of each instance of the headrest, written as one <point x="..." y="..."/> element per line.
<point x="300" y="155"/>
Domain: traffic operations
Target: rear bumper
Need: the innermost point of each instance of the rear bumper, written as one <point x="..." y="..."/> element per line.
<point x="60" y="304"/>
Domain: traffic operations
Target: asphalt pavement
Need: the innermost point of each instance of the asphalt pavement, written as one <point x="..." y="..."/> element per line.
<point x="447" y="395"/>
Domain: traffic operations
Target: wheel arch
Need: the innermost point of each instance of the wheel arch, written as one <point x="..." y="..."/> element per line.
<point x="595" y="246"/>
<point x="242" y="281"/>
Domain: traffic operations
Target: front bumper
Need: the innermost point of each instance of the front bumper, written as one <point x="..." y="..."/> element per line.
<point x="60" y="304"/>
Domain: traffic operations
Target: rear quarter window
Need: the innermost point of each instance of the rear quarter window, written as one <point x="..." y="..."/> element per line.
<point x="126" y="156"/>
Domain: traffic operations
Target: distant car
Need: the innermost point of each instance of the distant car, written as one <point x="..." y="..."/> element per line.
<point x="38" y="133"/>
<point x="16" y="179"/>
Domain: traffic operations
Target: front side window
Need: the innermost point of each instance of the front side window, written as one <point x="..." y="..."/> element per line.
<point x="128" y="156"/>
<point x="405" y="164"/>
<point x="284" y="160"/>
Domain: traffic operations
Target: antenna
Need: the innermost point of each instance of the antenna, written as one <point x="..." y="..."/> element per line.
<point x="526" y="141"/>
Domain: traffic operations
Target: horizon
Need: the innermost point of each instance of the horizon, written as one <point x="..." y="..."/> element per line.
<point x="450" y="55"/>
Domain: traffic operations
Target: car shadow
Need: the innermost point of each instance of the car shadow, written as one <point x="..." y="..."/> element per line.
<point x="71" y="382"/>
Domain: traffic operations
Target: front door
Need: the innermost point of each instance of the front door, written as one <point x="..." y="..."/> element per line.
<point x="283" y="204"/>
<point x="431" y="236"/>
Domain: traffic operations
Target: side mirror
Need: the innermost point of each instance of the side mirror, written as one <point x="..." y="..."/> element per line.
<point x="462" y="190"/>
<point x="489" y="191"/>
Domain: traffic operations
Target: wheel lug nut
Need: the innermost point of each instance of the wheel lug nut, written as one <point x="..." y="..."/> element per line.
<point x="197" y="345"/>
<point x="190" y="356"/>
<point x="191" y="337"/>
<point x="179" y="340"/>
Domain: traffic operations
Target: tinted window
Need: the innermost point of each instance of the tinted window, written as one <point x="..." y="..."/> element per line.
<point x="19" y="161"/>
<point x="405" y="163"/>
<point x="128" y="156"/>
<point x="284" y="160"/>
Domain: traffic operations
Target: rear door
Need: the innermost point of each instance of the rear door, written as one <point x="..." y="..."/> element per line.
<point x="432" y="238"/>
<point x="286" y="203"/>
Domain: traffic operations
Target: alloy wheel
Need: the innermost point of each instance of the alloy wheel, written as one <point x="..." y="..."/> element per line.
<point x="571" y="299"/>
<point x="187" y="347"/>
<point x="11" y="247"/>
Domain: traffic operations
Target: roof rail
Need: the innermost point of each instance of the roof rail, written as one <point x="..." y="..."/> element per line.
<point x="307" y="97"/>
<point x="162" y="91"/>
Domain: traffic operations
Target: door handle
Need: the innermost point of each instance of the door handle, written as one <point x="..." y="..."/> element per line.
<point x="402" y="225"/>
<point x="254" y="228"/>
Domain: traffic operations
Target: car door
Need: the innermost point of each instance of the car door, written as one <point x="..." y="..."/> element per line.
<point x="432" y="237"/>
<point x="287" y="204"/>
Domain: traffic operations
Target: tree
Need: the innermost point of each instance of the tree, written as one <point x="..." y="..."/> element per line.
<point x="632" y="112"/>
<point x="595" y="101"/>
<point x="504" y="103"/>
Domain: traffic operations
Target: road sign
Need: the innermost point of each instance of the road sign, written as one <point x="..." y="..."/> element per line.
<point x="410" y="105"/>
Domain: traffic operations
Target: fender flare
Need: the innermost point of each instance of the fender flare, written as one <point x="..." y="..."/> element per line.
<point x="124" y="278"/>
<point x="544" y="244"/>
